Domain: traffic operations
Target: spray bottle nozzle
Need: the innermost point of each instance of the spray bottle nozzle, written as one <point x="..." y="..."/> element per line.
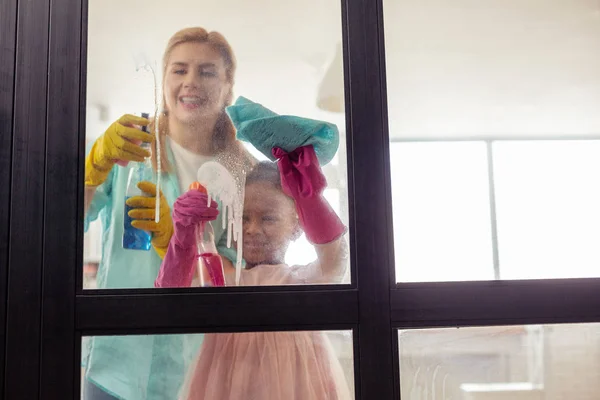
<point x="145" y="128"/>
<point x="199" y="187"/>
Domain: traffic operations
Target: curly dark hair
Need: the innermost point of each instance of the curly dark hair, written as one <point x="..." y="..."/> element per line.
<point x="264" y="171"/>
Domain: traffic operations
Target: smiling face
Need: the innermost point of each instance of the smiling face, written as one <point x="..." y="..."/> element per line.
<point x="270" y="224"/>
<point x="196" y="86"/>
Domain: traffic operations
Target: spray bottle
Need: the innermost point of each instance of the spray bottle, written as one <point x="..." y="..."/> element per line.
<point x="210" y="266"/>
<point x="133" y="238"/>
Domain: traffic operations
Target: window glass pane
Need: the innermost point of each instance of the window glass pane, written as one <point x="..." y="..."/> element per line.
<point x="220" y="366"/>
<point x="492" y="68"/>
<point x="544" y="202"/>
<point x="185" y="79"/>
<point x="540" y="362"/>
<point x="441" y="211"/>
<point x="547" y="199"/>
<point x="497" y="71"/>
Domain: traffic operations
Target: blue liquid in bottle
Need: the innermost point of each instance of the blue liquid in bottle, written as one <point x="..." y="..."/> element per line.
<point x="133" y="238"/>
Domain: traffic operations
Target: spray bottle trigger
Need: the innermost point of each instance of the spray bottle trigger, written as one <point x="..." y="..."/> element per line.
<point x="199" y="187"/>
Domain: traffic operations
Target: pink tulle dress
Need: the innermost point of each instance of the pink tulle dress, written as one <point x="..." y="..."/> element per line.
<point x="268" y="365"/>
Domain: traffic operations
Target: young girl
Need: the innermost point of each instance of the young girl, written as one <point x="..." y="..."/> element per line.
<point x="277" y="206"/>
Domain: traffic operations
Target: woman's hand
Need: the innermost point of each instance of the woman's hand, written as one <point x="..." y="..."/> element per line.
<point x="144" y="214"/>
<point x="117" y="143"/>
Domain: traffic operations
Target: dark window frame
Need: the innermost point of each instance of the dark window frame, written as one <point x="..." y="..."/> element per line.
<point x="47" y="312"/>
<point x="8" y="31"/>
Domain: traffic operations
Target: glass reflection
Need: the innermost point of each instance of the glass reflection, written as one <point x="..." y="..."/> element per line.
<point x="492" y="73"/>
<point x="221" y="366"/>
<point x="505" y="362"/>
<point x="195" y="83"/>
<point x="138" y="165"/>
<point x="277" y="207"/>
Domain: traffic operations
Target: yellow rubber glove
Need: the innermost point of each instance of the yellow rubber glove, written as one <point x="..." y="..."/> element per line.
<point x="143" y="215"/>
<point x="120" y="142"/>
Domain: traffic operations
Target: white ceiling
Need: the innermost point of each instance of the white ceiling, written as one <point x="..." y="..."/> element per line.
<point x="495" y="67"/>
<point x="462" y="67"/>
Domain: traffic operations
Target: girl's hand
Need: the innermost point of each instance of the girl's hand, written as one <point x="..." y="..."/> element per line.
<point x="190" y="210"/>
<point x="300" y="172"/>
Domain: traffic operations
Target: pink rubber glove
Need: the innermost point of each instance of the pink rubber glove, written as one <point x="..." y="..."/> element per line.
<point x="303" y="180"/>
<point x="178" y="266"/>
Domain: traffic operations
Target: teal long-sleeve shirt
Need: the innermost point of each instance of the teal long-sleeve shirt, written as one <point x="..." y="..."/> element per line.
<point x="148" y="367"/>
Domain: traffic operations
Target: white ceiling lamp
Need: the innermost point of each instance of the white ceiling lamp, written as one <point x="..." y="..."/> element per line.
<point x="330" y="95"/>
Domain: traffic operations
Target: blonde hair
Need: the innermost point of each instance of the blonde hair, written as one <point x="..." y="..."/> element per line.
<point x="224" y="132"/>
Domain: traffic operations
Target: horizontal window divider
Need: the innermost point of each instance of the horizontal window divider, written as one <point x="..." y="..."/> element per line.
<point x="465" y="323"/>
<point x="215" y="290"/>
<point x="225" y="312"/>
<point x="222" y="329"/>
<point x="493" y="138"/>
<point x="495" y="302"/>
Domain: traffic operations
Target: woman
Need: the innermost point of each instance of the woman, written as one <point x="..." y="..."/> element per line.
<point x="198" y="78"/>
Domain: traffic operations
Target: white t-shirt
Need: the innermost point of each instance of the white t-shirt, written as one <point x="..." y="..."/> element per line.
<point x="187" y="164"/>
